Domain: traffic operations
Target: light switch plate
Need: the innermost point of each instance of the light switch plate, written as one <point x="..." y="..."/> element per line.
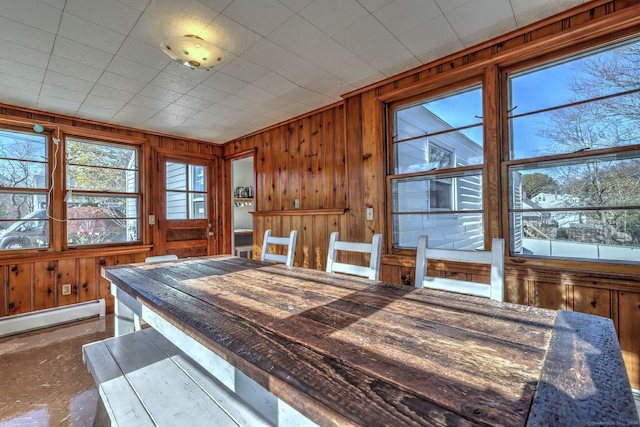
<point x="152" y="219"/>
<point x="369" y="214"/>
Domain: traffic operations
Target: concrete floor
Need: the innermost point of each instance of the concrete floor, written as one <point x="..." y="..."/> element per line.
<point x="43" y="380"/>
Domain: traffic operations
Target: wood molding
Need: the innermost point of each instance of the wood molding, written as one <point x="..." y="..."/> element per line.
<point x="42" y="256"/>
<point x="301" y="212"/>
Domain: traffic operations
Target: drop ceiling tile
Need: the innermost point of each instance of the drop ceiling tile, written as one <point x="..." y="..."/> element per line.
<point x="262" y="16"/>
<point x="160" y="93"/>
<point x="111" y="93"/>
<point x="24" y="35"/>
<point x="163" y="120"/>
<point x="81" y="53"/>
<point x="390" y="58"/>
<point x="93" y="112"/>
<point x="276" y="84"/>
<point x="333" y="16"/>
<point x="124" y="67"/>
<point x="174" y="83"/>
<point x="209" y="117"/>
<point x="67" y="82"/>
<point x="194" y="75"/>
<point x="481" y="20"/>
<point x="296" y="5"/>
<point x="245" y="70"/>
<point x="58" y="4"/>
<point x="432" y="40"/>
<point x="306" y="35"/>
<point x="301" y="72"/>
<point x="32" y="13"/>
<point x="268" y="54"/>
<point x="231" y="36"/>
<point x="329" y="55"/>
<point x="186" y="16"/>
<point x="400" y="16"/>
<point x="180" y="110"/>
<point x="448" y="5"/>
<point x="366" y="34"/>
<point x="110" y="14"/>
<point x="23" y="55"/>
<point x="123" y="83"/>
<point x="74" y="69"/>
<point x="149" y="103"/>
<point x="236" y="102"/>
<point x="224" y="82"/>
<point x="217" y="5"/>
<point x="206" y="93"/>
<point x="19" y="83"/>
<point x="28" y="72"/>
<point x="100" y="101"/>
<point x="193" y="102"/>
<point x="133" y="115"/>
<point x="151" y="30"/>
<point x="57" y="105"/>
<point x="16" y="96"/>
<point x="527" y="12"/>
<point x="87" y="33"/>
<point x="255" y="94"/>
<point x="137" y="4"/>
<point x="373" y="5"/>
<point x="356" y="72"/>
<point x="144" y="54"/>
<point x="58" y="92"/>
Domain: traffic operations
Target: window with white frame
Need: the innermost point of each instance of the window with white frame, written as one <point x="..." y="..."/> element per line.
<point x="437" y="154"/>
<point x="104" y="204"/>
<point x="574" y="160"/>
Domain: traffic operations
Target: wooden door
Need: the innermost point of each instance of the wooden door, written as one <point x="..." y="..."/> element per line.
<point x="186" y="212"/>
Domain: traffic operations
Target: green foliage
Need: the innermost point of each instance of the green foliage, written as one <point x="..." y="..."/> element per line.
<point x="536" y="183"/>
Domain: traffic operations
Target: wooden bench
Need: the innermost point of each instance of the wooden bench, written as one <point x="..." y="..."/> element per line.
<point x="145" y="380"/>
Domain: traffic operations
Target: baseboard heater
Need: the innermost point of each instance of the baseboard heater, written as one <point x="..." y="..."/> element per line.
<point x="53" y="316"/>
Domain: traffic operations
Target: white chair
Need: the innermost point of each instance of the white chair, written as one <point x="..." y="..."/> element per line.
<point x="159" y="258"/>
<point x="374" y="249"/>
<point x="494" y="258"/>
<point x="270" y="240"/>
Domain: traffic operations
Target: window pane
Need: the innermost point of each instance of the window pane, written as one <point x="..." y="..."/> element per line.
<point x="97" y="219"/>
<point x="99" y="179"/>
<point x="613" y="122"/>
<point x="198" y="206"/>
<point x="18" y="174"/>
<point x="23" y="221"/>
<point x="597" y="74"/>
<point x="598" y="235"/>
<point x="110" y="156"/>
<point x="463" y="231"/>
<point x="438" y="193"/>
<point x="176" y="205"/>
<point x="197" y="178"/>
<point x="439" y="114"/>
<point x="176" y="176"/>
<point x="23" y="146"/>
<point x="23" y="160"/>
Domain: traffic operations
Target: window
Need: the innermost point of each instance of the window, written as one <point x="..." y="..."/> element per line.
<point x="436" y="180"/>
<point x="574" y="168"/>
<point x="186" y="191"/>
<point x="104" y="207"/>
<point x="24" y="198"/>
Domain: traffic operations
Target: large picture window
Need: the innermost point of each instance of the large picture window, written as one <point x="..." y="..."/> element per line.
<point x="24" y="194"/>
<point x="574" y="161"/>
<point x="104" y="205"/>
<point x="436" y="146"/>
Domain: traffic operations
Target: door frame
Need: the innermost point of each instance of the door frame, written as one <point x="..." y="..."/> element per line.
<point x="227" y="196"/>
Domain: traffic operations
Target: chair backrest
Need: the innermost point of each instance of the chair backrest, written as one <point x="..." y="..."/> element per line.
<point x="161" y="258"/>
<point x="494" y="258"/>
<point x="290" y="242"/>
<point x="374" y="249"/>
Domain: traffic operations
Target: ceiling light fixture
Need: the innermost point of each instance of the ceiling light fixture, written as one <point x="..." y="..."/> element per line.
<point x="193" y="52"/>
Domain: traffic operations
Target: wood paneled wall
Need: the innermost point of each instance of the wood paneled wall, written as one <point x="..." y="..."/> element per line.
<point x="32" y="281"/>
<point x="292" y="162"/>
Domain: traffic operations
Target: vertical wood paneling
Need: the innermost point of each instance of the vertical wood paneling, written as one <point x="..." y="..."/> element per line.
<point x="628" y="321"/>
<point x="354" y="227"/>
<point x="293" y="147"/>
<point x="4" y="309"/>
<point x="67" y="275"/>
<point x="592" y="301"/>
<point x="550" y="295"/>
<point x="315" y="162"/>
<point x="87" y="284"/>
<point x="45" y="284"/>
<point x="20" y="288"/>
<point x="104" y="286"/>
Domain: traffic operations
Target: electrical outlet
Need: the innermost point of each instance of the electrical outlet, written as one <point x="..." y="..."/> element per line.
<point x="369" y="214"/>
<point x="66" y="289"/>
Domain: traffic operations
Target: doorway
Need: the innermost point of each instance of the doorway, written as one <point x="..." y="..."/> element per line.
<point x="242" y="204"/>
<point x="185" y="218"/>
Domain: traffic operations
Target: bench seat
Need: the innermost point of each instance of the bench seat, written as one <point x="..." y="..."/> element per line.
<point x="145" y="380"/>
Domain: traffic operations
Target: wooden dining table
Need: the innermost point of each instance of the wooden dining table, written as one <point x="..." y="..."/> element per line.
<point x="341" y="350"/>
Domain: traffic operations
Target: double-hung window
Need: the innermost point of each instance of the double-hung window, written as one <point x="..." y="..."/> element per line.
<point x="103" y="193"/>
<point x="24" y="190"/>
<point x="574" y="158"/>
<point x="435" y="178"/>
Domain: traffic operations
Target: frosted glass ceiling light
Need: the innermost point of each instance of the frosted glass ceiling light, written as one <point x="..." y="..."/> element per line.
<point x="193" y="52"/>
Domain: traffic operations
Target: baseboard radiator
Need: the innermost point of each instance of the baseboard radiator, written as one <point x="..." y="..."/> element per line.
<point x="18" y="323"/>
